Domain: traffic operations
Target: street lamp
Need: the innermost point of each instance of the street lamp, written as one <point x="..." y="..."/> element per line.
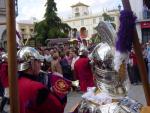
<point x="16" y="7"/>
<point x="119" y="7"/>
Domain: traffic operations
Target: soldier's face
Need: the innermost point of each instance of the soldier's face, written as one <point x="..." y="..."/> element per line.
<point x="36" y="66"/>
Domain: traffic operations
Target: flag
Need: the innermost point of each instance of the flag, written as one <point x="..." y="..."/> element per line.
<point x="60" y="85"/>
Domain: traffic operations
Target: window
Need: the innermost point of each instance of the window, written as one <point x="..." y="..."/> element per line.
<point x="145" y="35"/>
<point x="85" y="13"/>
<point x="2" y="4"/>
<point x="31" y="30"/>
<point x="82" y="22"/>
<point x="77" y="9"/>
<point x="22" y="30"/>
<point x="77" y="14"/>
<point x="94" y="21"/>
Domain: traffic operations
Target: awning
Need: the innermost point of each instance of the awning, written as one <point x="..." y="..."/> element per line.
<point x="145" y="24"/>
<point x="57" y="40"/>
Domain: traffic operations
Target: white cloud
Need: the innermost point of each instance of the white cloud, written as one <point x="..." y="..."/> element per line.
<point x="31" y="8"/>
<point x="36" y="8"/>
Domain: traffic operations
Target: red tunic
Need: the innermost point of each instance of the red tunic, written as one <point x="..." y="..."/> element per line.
<point x="83" y="73"/>
<point x="29" y="93"/>
<point x="133" y="57"/>
<point x="4" y="75"/>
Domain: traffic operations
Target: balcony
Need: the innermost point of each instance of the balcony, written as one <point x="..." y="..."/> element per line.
<point x="2" y="7"/>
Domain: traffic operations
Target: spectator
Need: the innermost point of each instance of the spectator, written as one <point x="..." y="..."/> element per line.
<point x="135" y="75"/>
<point x="66" y="68"/>
<point x="55" y="64"/>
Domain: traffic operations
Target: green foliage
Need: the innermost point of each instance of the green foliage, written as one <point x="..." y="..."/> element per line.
<point x="96" y="39"/>
<point x="51" y="26"/>
<point x="65" y="28"/>
<point x="106" y="17"/>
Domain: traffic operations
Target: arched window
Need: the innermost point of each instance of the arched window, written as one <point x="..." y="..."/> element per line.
<point x="77" y="9"/>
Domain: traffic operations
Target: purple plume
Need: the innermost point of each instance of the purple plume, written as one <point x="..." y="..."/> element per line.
<point x="125" y="33"/>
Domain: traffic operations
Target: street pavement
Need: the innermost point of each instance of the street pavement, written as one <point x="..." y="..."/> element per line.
<point x="136" y="92"/>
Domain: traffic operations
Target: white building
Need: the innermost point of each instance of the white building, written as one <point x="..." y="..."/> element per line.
<point x="143" y="24"/>
<point x="2" y="23"/>
<point x="3" y="39"/>
<point x="26" y="30"/>
<point x="81" y="17"/>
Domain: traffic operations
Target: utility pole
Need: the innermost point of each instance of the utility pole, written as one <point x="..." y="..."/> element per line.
<point x="12" y="64"/>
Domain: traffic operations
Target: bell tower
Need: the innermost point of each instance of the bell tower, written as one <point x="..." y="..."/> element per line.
<point x="80" y="9"/>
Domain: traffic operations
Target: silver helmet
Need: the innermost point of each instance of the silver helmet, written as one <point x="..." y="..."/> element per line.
<point x="4" y="56"/>
<point x="25" y="55"/>
<point x="106" y="78"/>
<point x="83" y="50"/>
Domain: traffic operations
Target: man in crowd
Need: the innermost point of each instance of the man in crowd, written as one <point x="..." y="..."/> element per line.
<point x="34" y="96"/>
<point x="83" y="71"/>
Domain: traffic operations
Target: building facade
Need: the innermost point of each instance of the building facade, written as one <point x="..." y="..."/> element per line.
<point x="2" y="23"/>
<point x="3" y="37"/>
<point x="26" y="30"/>
<point x="81" y="17"/>
<point x="141" y="8"/>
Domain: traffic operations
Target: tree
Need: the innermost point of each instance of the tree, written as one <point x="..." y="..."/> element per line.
<point x="65" y="28"/>
<point x="106" y="17"/>
<point x="51" y="26"/>
<point x="109" y="19"/>
<point x="41" y="31"/>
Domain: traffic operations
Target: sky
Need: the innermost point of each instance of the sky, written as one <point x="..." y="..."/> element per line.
<point x="36" y="8"/>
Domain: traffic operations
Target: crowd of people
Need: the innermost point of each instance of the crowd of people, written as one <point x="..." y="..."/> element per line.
<point x="46" y="75"/>
<point x="39" y="74"/>
<point x="73" y="63"/>
<point x="146" y="56"/>
<point x="133" y="69"/>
